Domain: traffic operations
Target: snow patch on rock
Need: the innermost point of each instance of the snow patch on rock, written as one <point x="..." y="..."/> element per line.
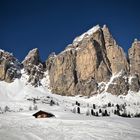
<point x="86" y="34"/>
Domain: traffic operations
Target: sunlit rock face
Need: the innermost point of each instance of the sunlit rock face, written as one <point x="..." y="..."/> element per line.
<point x="9" y="67"/>
<point x="134" y="60"/>
<point x="115" y="54"/>
<point x="33" y="67"/>
<point x="91" y="59"/>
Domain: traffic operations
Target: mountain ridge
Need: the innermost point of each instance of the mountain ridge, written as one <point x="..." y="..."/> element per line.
<point x="85" y="67"/>
<point x="93" y="59"/>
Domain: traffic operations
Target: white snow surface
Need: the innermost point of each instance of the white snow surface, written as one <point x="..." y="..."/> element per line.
<point x="67" y="126"/>
<point x="19" y="124"/>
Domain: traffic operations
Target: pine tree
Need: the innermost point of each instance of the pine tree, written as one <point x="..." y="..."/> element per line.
<point x="74" y="110"/>
<point x="92" y="112"/>
<point x="100" y="111"/>
<point x="106" y="113"/>
<point x="137" y="115"/>
<point x="30" y="108"/>
<point x="109" y="104"/>
<point x="78" y="104"/>
<point x="118" y="107"/>
<point x="34" y="101"/>
<point x="87" y="113"/>
<point x="94" y="107"/>
<point x="35" y="107"/>
<point x="124" y="114"/>
<point x="52" y="103"/>
<point x="115" y="112"/>
<point x="129" y="115"/>
<point x="78" y="110"/>
<point x="6" y="109"/>
<point x="1" y="110"/>
<point x="118" y="112"/>
<point x="96" y="114"/>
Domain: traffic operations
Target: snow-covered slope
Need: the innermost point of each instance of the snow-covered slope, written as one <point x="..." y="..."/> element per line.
<point x="20" y="88"/>
<point x="19" y="124"/>
<point x="22" y="126"/>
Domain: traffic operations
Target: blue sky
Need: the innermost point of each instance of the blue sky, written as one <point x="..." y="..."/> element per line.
<point x="51" y="25"/>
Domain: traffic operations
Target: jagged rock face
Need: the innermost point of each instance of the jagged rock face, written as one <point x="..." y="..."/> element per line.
<point x="92" y="58"/>
<point x="33" y="67"/>
<point x="134" y="58"/>
<point x="87" y="87"/>
<point x="78" y="69"/>
<point x="9" y="67"/>
<point x="62" y="73"/>
<point x="134" y="83"/>
<point x="3" y="68"/>
<point x="119" y="85"/>
<point x="32" y="58"/>
<point x="115" y="53"/>
<point x="85" y="67"/>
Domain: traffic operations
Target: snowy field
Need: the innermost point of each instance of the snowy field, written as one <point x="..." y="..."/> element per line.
<point x="67" y="126"/>
<point x="19" y="124"/>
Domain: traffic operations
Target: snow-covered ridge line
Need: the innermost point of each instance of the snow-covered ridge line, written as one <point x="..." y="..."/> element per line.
<point x="30" y="53"/>
<point x="1" y="50"/>
<point x="80" y="38"/>
<point x="88" y="33"/>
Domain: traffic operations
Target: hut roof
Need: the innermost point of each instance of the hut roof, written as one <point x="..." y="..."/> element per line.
<point x="43" y="112"/>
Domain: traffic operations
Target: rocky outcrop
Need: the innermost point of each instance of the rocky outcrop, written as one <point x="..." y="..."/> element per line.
<point x="134" y="60"/>
<point x="62" y="73"/>
<point x="115" y="54"/>
<point x="9" y="67"/>
<point x="32" y="58"/>
<point x="119" y="85"/>
<point x="33" y="67"/>
<point x="92" y="59"/>
<point x="92" y="64"/>
<point x="78" y="69"/>
<point x="134" y="83"/>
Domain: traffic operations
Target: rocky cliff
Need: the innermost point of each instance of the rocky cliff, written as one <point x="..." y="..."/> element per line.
<point x="9" y="67"/>
<point x="33" y="67"/>
<point x="93" y="63"/>
<point x="134" y="60"/>
<point x="87" y="66"/>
